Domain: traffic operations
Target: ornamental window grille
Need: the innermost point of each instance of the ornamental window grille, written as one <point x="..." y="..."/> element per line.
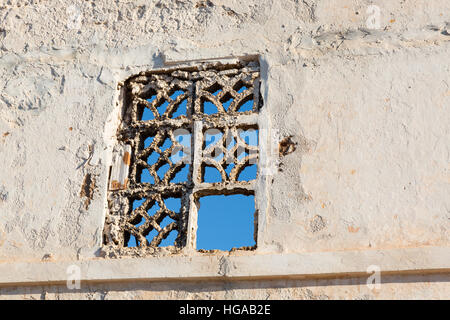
<point x="186" y="133"/>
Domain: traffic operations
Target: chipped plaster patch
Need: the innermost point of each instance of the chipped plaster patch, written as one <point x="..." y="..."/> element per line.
<point x="287" y="146"/>
<point x="88" y="189"/>
<point x="3" y="194"/>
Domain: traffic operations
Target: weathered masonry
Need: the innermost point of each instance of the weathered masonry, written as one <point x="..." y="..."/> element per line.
<point x="168" y="114"/>
<point x="121" y="122"/>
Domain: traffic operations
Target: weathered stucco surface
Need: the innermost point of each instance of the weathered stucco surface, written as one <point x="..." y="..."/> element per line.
<point x="367" y="110"/>
<point x="406" y="287"/>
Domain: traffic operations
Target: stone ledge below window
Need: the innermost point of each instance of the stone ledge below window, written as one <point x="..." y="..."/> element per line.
<point x="242" y="266"/>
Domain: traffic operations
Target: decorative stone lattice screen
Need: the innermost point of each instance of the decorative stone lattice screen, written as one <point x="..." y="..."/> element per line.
<point x="168" y="117"/>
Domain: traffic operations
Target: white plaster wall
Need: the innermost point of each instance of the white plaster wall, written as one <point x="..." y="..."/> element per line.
<point x="368" y="109"/>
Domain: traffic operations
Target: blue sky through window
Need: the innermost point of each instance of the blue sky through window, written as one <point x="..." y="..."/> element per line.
<point x="225" y="222"/>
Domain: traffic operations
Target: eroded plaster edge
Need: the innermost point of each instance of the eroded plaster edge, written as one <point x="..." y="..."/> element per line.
<point x="424" y="260"/>
<point x="267" y="160"/>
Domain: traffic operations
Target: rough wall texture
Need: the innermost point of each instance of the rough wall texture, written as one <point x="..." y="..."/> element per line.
<point x="405" y="287"/>
<point x="367" y="110"/>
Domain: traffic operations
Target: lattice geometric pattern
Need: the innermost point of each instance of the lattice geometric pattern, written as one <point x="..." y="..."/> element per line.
<point x="169" y="120"/>
<point x="163" y="155"/>
<point x="161" y="96"/>
<point x="142" y="221"/>
<point x="230" y="152"/>
<point x="228" y="94"/>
